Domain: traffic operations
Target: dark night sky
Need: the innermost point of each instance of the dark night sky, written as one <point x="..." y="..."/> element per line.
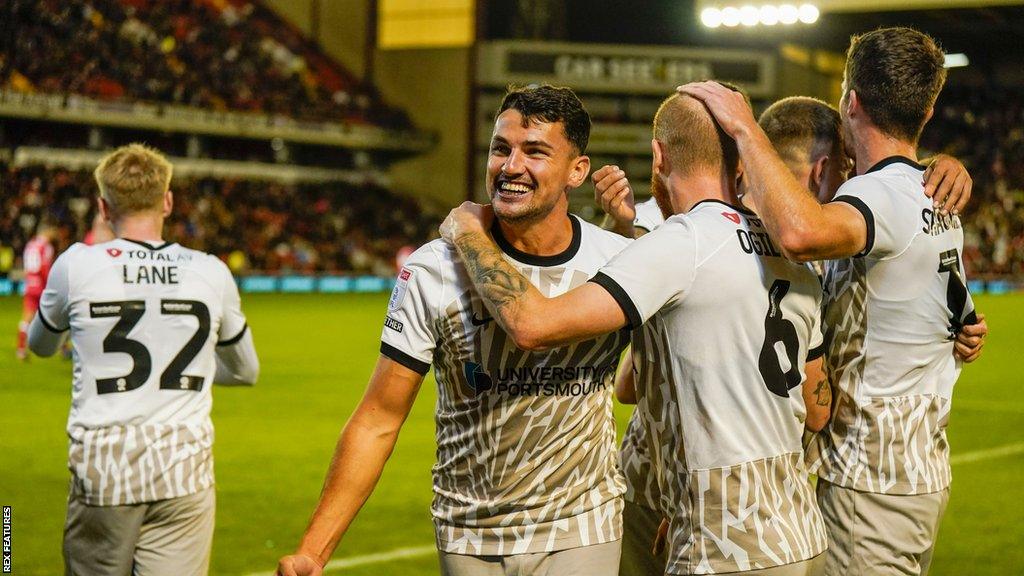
<point x="983" y="33"/>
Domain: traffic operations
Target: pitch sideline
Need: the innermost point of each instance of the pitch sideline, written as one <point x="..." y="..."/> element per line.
<point x="417" y="551"/>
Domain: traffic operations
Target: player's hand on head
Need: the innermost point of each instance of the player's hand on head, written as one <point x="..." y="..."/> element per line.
<point x="614" y="195"/>
<point x="948" y="184"/>
<point x="467" y="218"/>
<point x="299" y="565"/>
<point x="729" y="107"/>
<point x="971" y="340"/>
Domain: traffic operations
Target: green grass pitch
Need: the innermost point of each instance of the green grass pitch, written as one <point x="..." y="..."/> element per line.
<point x="274" y="442"/>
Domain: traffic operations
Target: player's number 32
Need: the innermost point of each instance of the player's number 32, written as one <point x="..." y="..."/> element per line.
<point x="128" y="313"/>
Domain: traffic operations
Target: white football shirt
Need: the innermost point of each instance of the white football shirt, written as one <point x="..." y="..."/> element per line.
<point x="735" y="323"/>
<point x="525" y="440"/>
<point x="144" y="322"/>
<point x="892" y="313"/>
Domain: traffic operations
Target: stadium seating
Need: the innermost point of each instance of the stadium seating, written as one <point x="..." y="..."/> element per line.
<point x="212" y="54"/>
<point x="253" y="225"/>
<point x="984" y="129"/>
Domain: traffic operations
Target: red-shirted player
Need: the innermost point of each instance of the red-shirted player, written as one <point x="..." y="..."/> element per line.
<point x="38" y="258"/>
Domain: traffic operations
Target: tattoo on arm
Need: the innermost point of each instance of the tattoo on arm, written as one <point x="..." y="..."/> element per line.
<point x="495" y="279"/>
<point x="823" y="393"/>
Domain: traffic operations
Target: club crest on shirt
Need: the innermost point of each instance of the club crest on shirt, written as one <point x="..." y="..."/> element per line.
<point x="114" y="252"/>
<point x="401" y="287"/>
<point x="732" y="216"/>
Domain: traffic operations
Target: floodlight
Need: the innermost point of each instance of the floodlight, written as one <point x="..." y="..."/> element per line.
<point x="711" y="17"/>
<point x="808" y="13"/>
<point x="788" y="14"/>
<point x="769" y="15"/>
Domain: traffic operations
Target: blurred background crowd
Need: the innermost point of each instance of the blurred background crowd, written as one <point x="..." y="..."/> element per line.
<point x="252" y="225"/>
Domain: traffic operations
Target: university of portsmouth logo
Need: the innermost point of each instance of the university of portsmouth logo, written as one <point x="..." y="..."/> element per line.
<point x="114" y="252"/>
<point x="479" y="380"/>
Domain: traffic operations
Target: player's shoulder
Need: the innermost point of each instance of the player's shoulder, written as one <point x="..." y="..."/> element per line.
<point x="434" y="256"/>
<point x="894" y="174"/>
<point x="594" y="237"/>
<point x="78" y="252"/>
<point x="711" y="217"/>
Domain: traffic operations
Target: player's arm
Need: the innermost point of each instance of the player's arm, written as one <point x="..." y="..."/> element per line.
<point x="363" y="448"/>
<point x="44" y="340"/>
<point x="48" y="327"/>
<point x="817" y="395"/>
<point x="533" y="321"/>
<point x="804" y="229"/>
<point x="237" y="363"/>
<point x="625" y="383"/>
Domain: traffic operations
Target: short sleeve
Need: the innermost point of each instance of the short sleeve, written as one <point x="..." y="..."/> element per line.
<point x="887" y="231"/>
<point x="53" y="303"/>
<point x="653" y="271"/>
<point x="232" y="324"/>
<point x="409" y="334"/>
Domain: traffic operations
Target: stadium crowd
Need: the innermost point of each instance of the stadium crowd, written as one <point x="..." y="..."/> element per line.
<point x="253" y="226"/>
<point x="213" y="54"/>
<point x="985" y="130"/>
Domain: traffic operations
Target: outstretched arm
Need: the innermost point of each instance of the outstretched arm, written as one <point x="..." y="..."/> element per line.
<point x="533" y="321"/>
<point x="362" y="450"/>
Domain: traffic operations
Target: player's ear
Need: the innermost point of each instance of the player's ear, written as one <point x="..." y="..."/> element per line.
<point x="104" y="209"/>
<point x="580" y="171"/>
<point x="168" y="202"/>
<point x="928" y="116"/>
<point x="658" y="165"/>
<point x="818" y="171"/>
<point x="852" y="103"/>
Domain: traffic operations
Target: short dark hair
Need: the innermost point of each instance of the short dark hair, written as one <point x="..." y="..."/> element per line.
<point x="800" y="124"/>
<point x="546" y="103"/>
<point x="897" y="74"/>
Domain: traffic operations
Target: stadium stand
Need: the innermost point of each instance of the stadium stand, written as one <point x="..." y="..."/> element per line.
<point x="213" y="54"/>
<point x="984" y="129"/>
<point x="193" y="60"/>
<point x="253" y="225"/>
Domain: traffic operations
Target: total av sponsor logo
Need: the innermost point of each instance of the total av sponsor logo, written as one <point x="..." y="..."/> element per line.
<point x="539" y="380"/>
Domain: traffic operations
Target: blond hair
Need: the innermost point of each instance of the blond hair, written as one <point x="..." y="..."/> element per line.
<point x="691" y="137"/>
<point x="133" y="178"/>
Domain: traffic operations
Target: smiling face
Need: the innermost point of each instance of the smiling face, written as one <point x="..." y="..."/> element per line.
<point x="530" y="167"/>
